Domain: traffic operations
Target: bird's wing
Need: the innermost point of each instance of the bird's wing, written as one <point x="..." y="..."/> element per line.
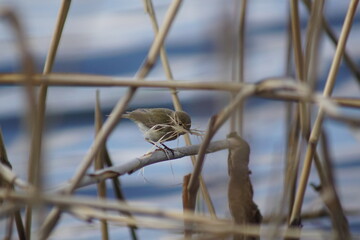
<point x="149" y="116"/>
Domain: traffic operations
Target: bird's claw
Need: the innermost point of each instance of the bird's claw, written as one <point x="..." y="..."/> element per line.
<point x="169" y="149"/>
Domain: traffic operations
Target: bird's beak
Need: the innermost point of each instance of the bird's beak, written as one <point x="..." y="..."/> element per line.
<point x="195" y="132"/>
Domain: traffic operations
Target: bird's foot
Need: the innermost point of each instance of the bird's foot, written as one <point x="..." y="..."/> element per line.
<point x="164" y="149"/>
<point x="169" y="149"/>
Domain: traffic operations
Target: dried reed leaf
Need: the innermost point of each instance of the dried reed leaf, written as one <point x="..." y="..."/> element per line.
<point x="240" y="191"/>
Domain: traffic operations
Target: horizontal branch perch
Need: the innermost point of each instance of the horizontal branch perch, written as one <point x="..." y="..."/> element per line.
<point x="154" y="157"/>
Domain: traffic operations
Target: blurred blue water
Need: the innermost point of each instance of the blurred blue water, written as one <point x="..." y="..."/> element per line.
<point x="193" y="48"/>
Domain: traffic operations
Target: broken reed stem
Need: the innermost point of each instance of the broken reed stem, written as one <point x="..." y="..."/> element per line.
<point x="176" y="101"/>
<point x="114" y="117"/>
<point x="99" y="164"/>
<point x="314" y="136"/>
<point x="214" y="125"/>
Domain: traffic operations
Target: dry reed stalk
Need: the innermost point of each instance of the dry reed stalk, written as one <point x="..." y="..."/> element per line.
<point x="291" y="166"/>
<point x="329" y="193"/>
<point x="176" y="101"/>
<point x="119" y="194"/>
<point x="8" y="176"/>
<point x="114" y="117"/>
<point x="238" y="68"/>
<point x="311" y="214"/>
<point x="241" y="75"/>
<point x="71" y="80"/>
<point x="222" y="117"/>
<point x="312" y="43"/>
<point x="30" y="102"/>
<point x="348" y="102"/>
<point x="296" y="38"/>
<point x="204" y="224"/>
<point x="214" y="125"/>
<point x="35" y="171"/>
<point x="194" y="181"/>
<point x="105" y="159"/>
<point x="324" y="104"/>
<point x="299" y="62"/>
<point x="4" y="184"/>
<point x="348" y="60"/>
<point x="301" y="121"/>
<point x="319" y="119"/>
<point x="99" y="164"/>
<point x="292" y="138"/>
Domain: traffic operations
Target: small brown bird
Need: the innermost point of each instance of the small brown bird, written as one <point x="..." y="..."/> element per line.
<point x="160" y="124"/>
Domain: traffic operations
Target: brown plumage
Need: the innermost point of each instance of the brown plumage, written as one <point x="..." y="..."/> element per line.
<point x="160" y="124"/>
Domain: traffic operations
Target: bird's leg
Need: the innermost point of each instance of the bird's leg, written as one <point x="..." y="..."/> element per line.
<point x="159" y="147"/>
<point x="167" y="148"/>
<point x="163" y="149"/>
